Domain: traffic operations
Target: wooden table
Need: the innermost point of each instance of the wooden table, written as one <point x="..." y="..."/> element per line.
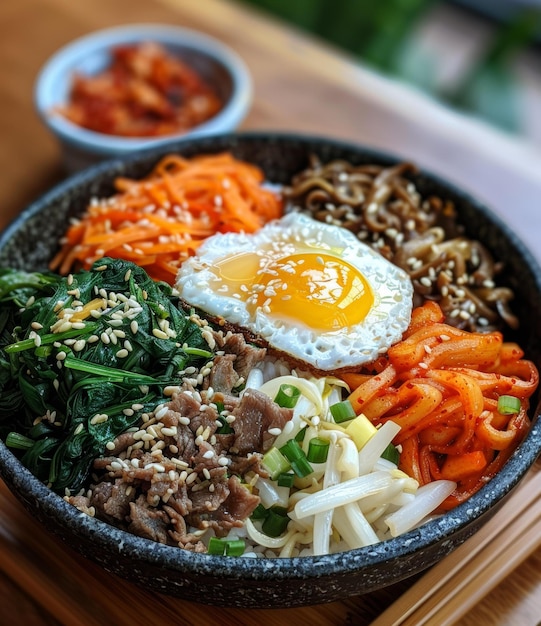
<point x="300" y="85"/>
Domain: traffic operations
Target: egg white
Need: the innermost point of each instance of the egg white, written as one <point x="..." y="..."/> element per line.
<point x="344" y="348"/>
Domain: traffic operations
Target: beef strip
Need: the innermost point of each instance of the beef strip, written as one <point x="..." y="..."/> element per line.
<point x="247" y="355"/>
<point x="237" y="505"/>
<point x="254" y="416"/>
<point x="148" y="522"/>
<point x="112" y="500"/>
<point x="173" y="486"/>
<point x="224" y="377"/>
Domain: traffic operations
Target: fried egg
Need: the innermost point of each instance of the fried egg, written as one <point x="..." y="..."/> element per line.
<point x="310" y="290"/>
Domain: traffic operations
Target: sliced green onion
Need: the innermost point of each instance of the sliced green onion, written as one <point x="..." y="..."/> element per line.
<point x="275" y="463"/>
<point x="235" y="547"/>
<point x="286" y="479"/>
<point x="318" y="449"/>
<point x="391" y="454"/>
<point x="301" y="467"/>
<point x="287" y="396"/>
<point x="507" y="405"/>
<point x="226" y="547"/>
<point x="16" y="440"/>
<point x="276" y="521"/>
<point x="292" y="450"/>
<point x="300" y="435"/>
<point x="342" y="411"/>
<point x="260" y="512"/>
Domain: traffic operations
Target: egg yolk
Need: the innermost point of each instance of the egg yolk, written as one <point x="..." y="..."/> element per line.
<point x="318" y="289"/>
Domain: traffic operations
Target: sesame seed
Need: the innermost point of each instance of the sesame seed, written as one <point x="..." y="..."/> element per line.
<point x="161" y="412"/>
<point x="63" y="327"/>
<point x="116" y="321"/>
<point x="99" y="418"/>
<point x="169" y="432"/>
<point x="159" y="334"/>
<point x="158" y="467"/>
<point x="36" y="326"/>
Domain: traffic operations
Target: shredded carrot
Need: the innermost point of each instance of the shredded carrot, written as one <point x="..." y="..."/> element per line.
<point x="441" y="385"/>
<point x="162" y="219"/>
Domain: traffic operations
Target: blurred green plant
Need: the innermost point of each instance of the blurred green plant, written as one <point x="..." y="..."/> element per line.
<point x="490" y="88"/>
<point x="382" y="34"/>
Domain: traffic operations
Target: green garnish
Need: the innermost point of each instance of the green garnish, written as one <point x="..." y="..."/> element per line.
<point x="286" y="479"/>
<point x="295" y="455"/>
<point x="391" y="454"/>
<point x="275" y="463"/>
<point x="301" y="467"/>
<point x="260" y="512"/>
<point x="342" y="411"/>
<point x="226" y="547"/>
<point x="287" y="396"/>
<point x="318" y="449"/>
<point x="508" y="405"/>
<point x="276" y="521"/>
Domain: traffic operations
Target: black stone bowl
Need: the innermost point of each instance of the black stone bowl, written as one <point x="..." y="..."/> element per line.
<point x="30" y="241"/>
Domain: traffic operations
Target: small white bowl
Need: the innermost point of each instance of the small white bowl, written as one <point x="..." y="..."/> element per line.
<point x="91" y="54"/>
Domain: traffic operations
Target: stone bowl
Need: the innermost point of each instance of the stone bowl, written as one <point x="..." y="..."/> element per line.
<point x="30" y="241"/>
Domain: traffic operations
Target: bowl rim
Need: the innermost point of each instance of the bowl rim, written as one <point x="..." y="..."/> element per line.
<point x="64" y="61"/>
<point x="345" y="563"/>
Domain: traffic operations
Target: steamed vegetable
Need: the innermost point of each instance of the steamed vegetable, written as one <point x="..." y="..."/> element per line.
<point x="82" y="358"/>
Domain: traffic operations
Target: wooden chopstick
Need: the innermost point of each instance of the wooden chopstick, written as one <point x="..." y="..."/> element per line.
<point x="458" y="582"/>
